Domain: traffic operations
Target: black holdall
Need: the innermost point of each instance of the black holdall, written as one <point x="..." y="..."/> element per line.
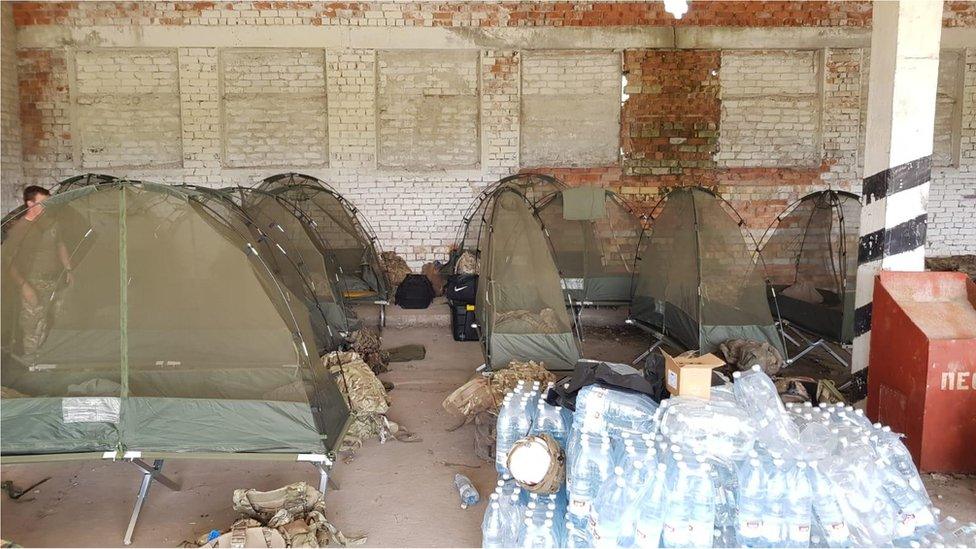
<point x="415" y="292"/>
<point x="462" y="288"/>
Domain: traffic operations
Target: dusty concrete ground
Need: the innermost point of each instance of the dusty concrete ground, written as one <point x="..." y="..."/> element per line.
<point x="399" y="494"/>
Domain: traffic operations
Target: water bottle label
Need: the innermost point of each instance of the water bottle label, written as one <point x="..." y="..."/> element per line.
<point x="837" y="532"/>
<point x="751" y="528"/>
<point x="579" y="507"/>
<point x="800" y="532"/>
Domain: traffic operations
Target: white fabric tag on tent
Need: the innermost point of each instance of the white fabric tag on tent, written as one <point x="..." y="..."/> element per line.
<point x="572" y="283"/>
<point x="90" y="409"/>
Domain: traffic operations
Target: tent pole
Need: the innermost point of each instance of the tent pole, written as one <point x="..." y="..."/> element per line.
<point x="149" y="473"/>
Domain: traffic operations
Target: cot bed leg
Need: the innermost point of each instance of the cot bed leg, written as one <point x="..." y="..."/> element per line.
<point x="325" y="481"/>
<point x="649" y="350"/>
<point x="149" y="474"/>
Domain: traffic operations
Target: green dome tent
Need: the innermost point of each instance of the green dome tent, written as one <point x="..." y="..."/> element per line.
<point x="521" y="308"/>
<point x="141" y="318"/>
<point x="350" y="242"/>
<point x="810" y="254"/>
<point x="697" y="282"/>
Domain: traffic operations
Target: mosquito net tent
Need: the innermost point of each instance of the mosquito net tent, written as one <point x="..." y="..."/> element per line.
<point x="350" y="242"/>
<point x="534" y="187"/>
<point x="810" y="252"/>
<point x="697" y="282"/>
<point x="300" y="260"/>
<point x="594" y="234"/>
<point x="520" y="305"/>
<point x="70" y="183"/>
<point x="139" y="317"/>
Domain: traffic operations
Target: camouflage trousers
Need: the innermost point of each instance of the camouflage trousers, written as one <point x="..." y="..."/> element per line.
<point x="35" y="319"/>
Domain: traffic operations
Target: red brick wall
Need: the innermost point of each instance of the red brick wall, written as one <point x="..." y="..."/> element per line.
<point x="472" y="14"/>
<point x="452" y="14"/>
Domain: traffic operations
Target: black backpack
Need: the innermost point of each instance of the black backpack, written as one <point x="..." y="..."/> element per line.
<point x="462" y="288"/>
<point x="415" y="292"/>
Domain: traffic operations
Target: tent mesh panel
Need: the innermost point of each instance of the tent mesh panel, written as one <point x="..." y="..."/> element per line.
<point x="696" y="275"/>
<point x="816" y="243"/>
<point x="595" y="257"/>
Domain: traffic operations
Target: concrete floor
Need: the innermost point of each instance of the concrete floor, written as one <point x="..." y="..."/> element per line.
<point x="399" y="494"/>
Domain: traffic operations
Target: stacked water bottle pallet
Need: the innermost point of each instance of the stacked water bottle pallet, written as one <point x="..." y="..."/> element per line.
<point x="740" y="469"/>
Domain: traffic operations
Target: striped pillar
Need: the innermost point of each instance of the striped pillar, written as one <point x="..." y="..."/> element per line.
<point x="898" y="149"/>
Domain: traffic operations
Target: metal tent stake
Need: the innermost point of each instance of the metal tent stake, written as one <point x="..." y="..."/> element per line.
<point x="150" y="473"/>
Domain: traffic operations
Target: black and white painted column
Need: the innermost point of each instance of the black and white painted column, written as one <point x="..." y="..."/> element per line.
<point x="898" y="149"/>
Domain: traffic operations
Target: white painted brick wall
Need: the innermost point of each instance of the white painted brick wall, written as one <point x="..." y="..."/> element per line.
<point x="770" y="109"/>
<point x="416" y="210"/>
<point x="200" y="107"/>
<point x="842" y="118"/>
<point x="274" y="108"/>
<point x="428" y="109"/>
<point x="10" y="151"/>
<point x="128" y="108"/>
<point x="952" y="197"/>
<point x="570" y="108"/>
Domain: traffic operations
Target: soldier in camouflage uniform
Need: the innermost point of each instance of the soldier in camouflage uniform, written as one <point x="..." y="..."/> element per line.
<point x="41" y="268"/>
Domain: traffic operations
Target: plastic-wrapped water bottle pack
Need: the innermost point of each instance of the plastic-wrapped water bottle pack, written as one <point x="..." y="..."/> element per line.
<point x="740" y="469"/>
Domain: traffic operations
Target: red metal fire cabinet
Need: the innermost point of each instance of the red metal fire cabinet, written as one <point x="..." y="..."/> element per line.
<point x="922" y="375"/>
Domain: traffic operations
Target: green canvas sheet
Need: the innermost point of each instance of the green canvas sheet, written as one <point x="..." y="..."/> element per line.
<point x="584" y="203"/>
<point x="558" y="351"/>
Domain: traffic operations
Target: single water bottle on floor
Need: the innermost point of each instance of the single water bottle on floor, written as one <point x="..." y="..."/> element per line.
<point x="467" y="491"/>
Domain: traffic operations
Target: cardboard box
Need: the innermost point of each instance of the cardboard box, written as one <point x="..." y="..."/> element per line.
<point x="691" y="375"/>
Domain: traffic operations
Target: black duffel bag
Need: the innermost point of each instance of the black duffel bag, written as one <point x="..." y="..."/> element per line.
<point x="415" y="292"/>
<point x="462" y="288"/>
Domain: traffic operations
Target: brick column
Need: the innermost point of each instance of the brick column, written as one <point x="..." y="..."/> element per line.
<point x="898" y="149"/>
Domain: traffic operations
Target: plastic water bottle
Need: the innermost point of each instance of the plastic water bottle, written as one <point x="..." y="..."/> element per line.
<point x="701" y="502"/>
<point x="752" y="503"/>
<point x="549" y="420"/>
<point x="494" y="528"/>
<point x="538" y="534"/>
<point x="797" y="506"/>
<point x="675" y="531"/>
<point x="467" y="491"/>
<point x="504" y="432"/>
<point x="650" y="518"/>
<point x="577" y="537"/>
<point x="608" y="510"/>
<point x="830" y="524"/>
<point x="590" y="471"/>
<point x="757" y="395"/>
<point x="776" y="492"/>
